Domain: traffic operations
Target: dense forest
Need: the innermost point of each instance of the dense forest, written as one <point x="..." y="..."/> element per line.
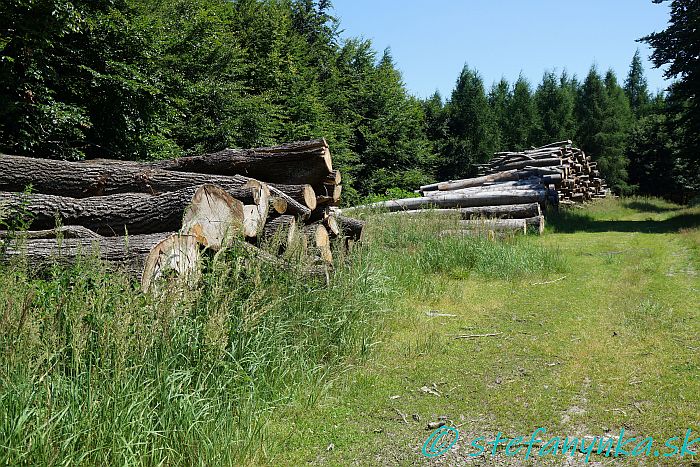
<point x="149" y="79"/>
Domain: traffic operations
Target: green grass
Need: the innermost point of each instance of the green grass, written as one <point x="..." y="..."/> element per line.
<point x="93" y="372"/>
<point x="611" y="344"/>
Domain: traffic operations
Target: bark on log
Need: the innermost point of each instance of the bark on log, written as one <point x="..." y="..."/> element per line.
<point x="107" y="215"/>
<point x="532" y="163"/>
<point x="104" y="177"/>
<point x="490" y="234"/>
<point x="146" y="257"/>
<point x="66" y="231"/>
<point x="500" y="187"/>
<point x="282" y="229"/>
<point x="516" y="225"/>
<point x="457" y="200"/>
<point x="320" y="241"/>
<point x="351" y="227"/>
<point x="507" y="211"/>
<point x="295" y="163"/>
<point x="477" y="181"/>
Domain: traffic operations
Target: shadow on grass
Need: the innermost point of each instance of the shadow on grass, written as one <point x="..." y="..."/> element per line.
<point x="646" y="206"/>
<point x="568" y="221"/>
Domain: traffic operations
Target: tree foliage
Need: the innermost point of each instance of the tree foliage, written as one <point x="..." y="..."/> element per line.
<point x="147" y="79"/>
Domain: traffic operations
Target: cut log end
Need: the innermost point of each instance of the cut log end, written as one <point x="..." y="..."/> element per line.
<point x="213" y="217"/>
<point x="177" y="255"/>
<point x="309" y="196"/>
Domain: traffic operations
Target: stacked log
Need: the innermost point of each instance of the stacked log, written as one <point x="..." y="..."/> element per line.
<point x="153" y="217"/>
<point x="560" y="166"/>
<point x="508" y="188"/>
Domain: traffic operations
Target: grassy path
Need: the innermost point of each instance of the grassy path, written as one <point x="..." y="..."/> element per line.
<point x="614" y="343"/>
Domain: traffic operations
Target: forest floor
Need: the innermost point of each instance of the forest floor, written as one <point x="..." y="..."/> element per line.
<point x="610" y="343"/>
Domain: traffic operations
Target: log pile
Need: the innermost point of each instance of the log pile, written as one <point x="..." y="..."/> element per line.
<point x="512" y="186"/>
<point x="157" y="218"/>
<point x="559" y="166"/>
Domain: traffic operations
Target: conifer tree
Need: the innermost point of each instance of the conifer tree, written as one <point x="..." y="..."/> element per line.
<point x="499" y="100"/>
<point x="555" y="107"/>
<point x="521" y="115"/>
<point x="636" y="87"/>
<point x="471" y="129"/>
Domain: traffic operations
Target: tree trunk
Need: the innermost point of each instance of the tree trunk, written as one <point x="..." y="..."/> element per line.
<point x="472" y="182"/>
<point x="458" y="200"/>
<point x="146" y="257"/>
<point x="295" y="163"/>
<point x="499" y="186"/>
<point x="536" y="223"/>
<point x="506" y="211"/>
<point x="517" y="225"/>
<point x="214" y="217"/>
<point x="67" y="231"/>
<point x="531" y="163"/>
<point x="351" y="227"/>
<point x="104" y="177"/>
<point x="107" y="215"/>
<point x="320" y="241"/>
<point x="282" y="229"/>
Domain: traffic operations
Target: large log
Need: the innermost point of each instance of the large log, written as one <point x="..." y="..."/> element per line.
<point x="473" y="182"/>
<point x="459" y="200"/>
<point x="506" y="211"/>
<point x="66" y="231"/>
<point x="351" y="227"/>
<point x="528" y="184"/>
<point x="214" y="217"/>
<point x="319" y="241"/>
<point x="532" y="163"/>
<point x="108" y="215"/>
<point x="146" y="257"/>
<point x="106" y="177"/>
<point x="295" y="163"/>
<point x="536" y="223"/>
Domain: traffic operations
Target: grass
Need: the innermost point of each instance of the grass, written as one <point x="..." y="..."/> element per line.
<point x="93" y="372"/>
<point x="611" y="343"/>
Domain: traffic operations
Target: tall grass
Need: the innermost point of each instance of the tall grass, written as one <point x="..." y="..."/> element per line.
<point x="93" y="372"/>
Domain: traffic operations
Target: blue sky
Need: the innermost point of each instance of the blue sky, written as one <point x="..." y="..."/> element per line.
<point x="432" y="40"/>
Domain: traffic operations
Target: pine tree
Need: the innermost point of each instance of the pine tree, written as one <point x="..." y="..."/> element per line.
<point x="499" y="100"/>
<point x="555" y="107"/>
<point x="617" y="122"/>
<point x="521" y="116"/>
<point x="472" y="133"/>
<point x="590" y="112"/>
<point x="636" y="87"/>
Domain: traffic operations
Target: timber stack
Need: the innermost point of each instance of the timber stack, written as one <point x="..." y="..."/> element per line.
<point x="153" y="218"/>
<point x="511" y="192"/>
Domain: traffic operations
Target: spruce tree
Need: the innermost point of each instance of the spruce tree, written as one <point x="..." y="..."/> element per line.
<point x="521" y="115"/>
<point x="472" y="133"/>
<point x="614" y="134"/>
<point x="636" y="87"/>
<point x="555" y="106"/>
<point x="499" y="100"/>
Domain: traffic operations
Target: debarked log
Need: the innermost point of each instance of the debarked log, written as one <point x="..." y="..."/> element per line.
<point x="459" y="200"/>
<point x="506" y="211"/>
